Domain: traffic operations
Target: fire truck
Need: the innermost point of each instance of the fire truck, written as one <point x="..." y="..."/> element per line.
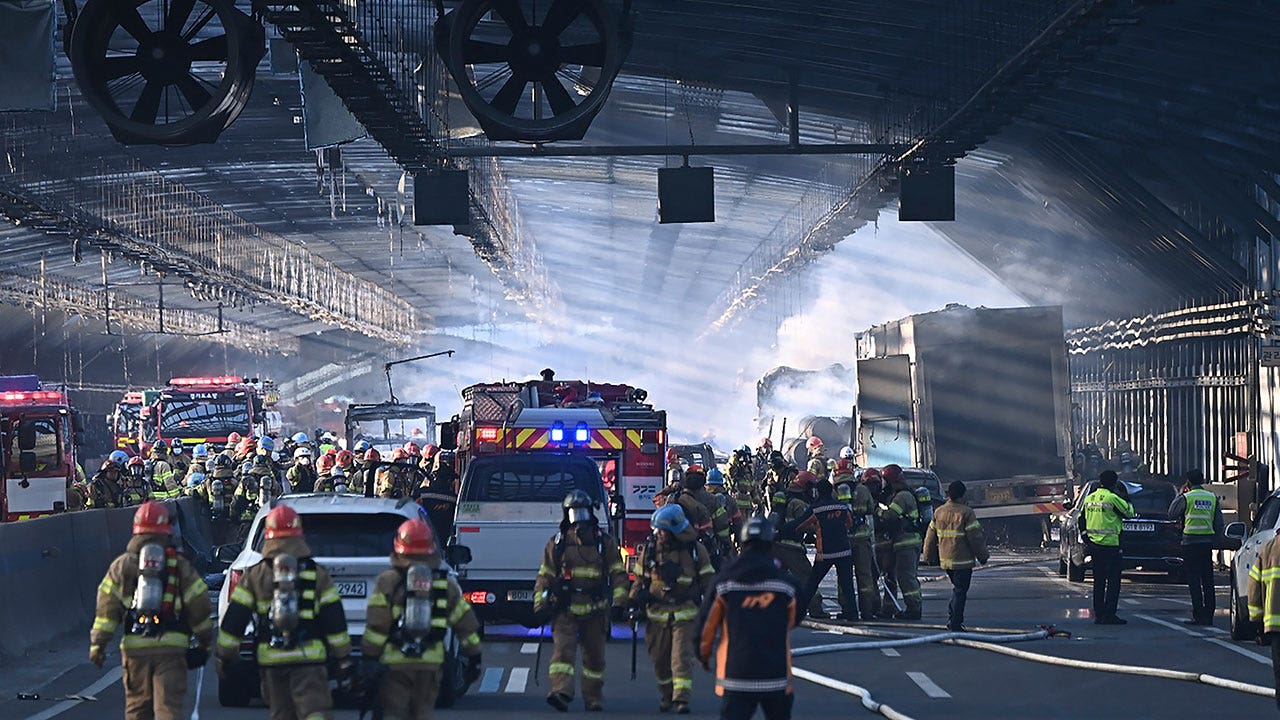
<point x="208" y="409"/>
<point x="39" y="435"/>
<point x="126" y="419"/>
<point x="521" y="446"/>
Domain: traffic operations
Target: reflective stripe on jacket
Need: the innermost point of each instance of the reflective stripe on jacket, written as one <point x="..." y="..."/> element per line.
<point x="191" y="613"/>
<point x="1200" y="510"/>
<point x="386" y="608"/>
<point x="1263" y="595"/>
<point x="1104" y="514"/>
<point x="955" y="539"/>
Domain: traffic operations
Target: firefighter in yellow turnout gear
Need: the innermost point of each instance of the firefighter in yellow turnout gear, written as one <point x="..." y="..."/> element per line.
<point x="162" y="605"/>
<point x="673" y="571"/>
<point x="581" y="577"/>
<point x="902" y="518"/>
<point x="298" y="620"/>
<point x="413" y="605"/>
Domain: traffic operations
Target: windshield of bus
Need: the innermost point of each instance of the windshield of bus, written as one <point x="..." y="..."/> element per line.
<point x="531" y="478"/>
<point x="48" y="447"/>
<point x="201" y="415"/>
<point x="388" y="434"/>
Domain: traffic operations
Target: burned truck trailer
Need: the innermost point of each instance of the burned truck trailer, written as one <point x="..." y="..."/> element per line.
<point x="974" y="394"/>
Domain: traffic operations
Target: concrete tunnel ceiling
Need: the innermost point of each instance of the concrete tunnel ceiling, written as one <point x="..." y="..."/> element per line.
<point x="1050" y="195"/>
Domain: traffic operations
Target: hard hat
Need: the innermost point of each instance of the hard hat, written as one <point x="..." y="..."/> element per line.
<point x="400" y="455"/>
<point x="415" y="537"/>
<point x="160" y="446"/>
<point x="177" y="446"/>
<point x="302" y="452"/>
<point x="745" y="449"/>
<point x="261" y="458"/>
<point x="578" y="507"/>
<point x="777" y="459"/>
<point x="345" y="457"/>
<point x="196" y="480"/>
<point x="814" y="443"/>
<point x="234" y="438"/>
<point x="136" y="461"/>
<point x="221" y="461"/>
<point x="301" y="438"/>
<point x="672" y="456"/>
<point x="871" y="475"/>
<point x="429" y="451"/>
<point x="200" y="451"/>
<point x="766" y="443"/>
<point x="412" y="448"/>
<point x="282" y="522"/>
<point x="757" y="528"/>
<point x="695" y="470"/>
<point x="891" y="473"/>
<point x="831" y="464"/>
<point x="119" y="457"/>
<point x="328" y="437"/>
<point x="806" y="479"/>
<point x="844" y="467"/>
<point x="325" y="463"/>
<point x="715" y="477"/>
<point x="152" y="518"/>
<point x="844" y="493"/>
<point x="669" y="517"/>
<point x="108" y="465"/>
<point x="267" y="443"/>
<point x="362" y="445"/>
<point x="372" y="455"/>
<point x="846" y="453"/>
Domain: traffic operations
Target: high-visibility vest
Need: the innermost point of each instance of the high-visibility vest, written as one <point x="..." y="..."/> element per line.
<point x="1104" y="514"/>
<point x="1201" y="507"/>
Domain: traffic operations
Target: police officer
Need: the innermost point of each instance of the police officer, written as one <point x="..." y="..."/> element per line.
<point x="863" y="506"/>
<point x="1201" y="515"/>
<point x="581" y="577"/>
<point x="901" y="519"/>
<point x="298" y="621"/>
<point x="302" y="475"/>
<point x="672" y="572"/>
<point x="793" y="519"/>
<point x="833" y="521"/>
<point x="164" y="480"/>
<point x="154" y="595"/>
<point x="745" y="623"/>
<point x="413" y="605"/>
<point x="1103" y="518"/>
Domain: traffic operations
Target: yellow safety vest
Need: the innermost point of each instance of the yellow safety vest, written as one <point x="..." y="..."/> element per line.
<point x="1200" y="511"/>
<point x="1104" y="514"/>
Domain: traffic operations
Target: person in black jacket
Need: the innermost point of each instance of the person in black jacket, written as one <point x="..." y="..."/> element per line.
<point x="745" y="621"/>
<point x="832" y="549"/>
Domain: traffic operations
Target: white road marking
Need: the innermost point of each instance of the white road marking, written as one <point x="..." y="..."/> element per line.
<point x="890" y="652"/>
<point x="517" y="681"/>
<point x="1172" y="626"/>
<point x="1216" y="630"/>
<point x="112" y="677"/>
<point x="1256" y="657"/>
<point x="1129" y="601"/>
<point x="491" y="680"/>
<point x="929" y="687"/>
<point x="529" y="648"/>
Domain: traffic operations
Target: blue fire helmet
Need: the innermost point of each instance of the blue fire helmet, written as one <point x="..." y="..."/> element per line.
<point x="745" y="449"/>
<point x="362" y="446"/>
<point x="715" y="477"/>
<point x="118" y="457"/>
<point x="669" y="517"/>
<point x="301" y="438"/>
<point x="267" y="444"/>
<point x="196" y="480"/>
<point x="200" y="451"/>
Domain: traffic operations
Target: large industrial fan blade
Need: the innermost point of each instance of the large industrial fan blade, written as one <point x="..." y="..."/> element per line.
<point x="520" y="74"/>
<point x="166" y="72"/>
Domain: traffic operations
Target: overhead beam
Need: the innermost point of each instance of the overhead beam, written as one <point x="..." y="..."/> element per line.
<point x="540" y="151"/>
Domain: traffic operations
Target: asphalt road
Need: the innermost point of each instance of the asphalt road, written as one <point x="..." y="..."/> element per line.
<point x="931" y="681"/>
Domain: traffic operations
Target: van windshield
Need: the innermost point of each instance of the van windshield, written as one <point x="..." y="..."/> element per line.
<point x="345" y="534"/>
<point x="531" y="478"/>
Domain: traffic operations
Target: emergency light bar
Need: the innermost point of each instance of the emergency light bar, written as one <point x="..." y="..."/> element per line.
<point x="225" y="380"/>
<point x="487" y="434"/>
<point x="557" y="432"/>
<point x="582" y="433"/>
<point x="34" y="396"/>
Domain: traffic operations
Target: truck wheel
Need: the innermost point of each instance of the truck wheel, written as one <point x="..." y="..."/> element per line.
<point x="1075" y="573"/>
<point x="1241" y="627"/>
<point x="234" y="692"/>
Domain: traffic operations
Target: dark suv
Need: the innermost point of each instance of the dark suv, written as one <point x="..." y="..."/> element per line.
<point x="1150" y="540"/>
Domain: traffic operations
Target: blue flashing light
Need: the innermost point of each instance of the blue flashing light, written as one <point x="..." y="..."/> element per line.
<point x="582" y="433"/>
<point x="557" y="432"/>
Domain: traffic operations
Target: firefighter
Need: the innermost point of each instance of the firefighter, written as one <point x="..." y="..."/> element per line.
<point x="298" y="620"/>
<point x="136" y="488"/>
<point x="347" y="461"/>
<point x="743" y="482"/>
<point x="672" y="573"/>
<point x="901" y="519"/>
<point x="1263" y="601"/>
<point x="817" y="457"/>
<point x="760" y="460"/>
<point x="256" y="489"/>
<point x="178" y="458"/>
<point x="302" y="476"/>
<point x="1201" y="516"/>
<point x="390" y="481"/>
<point x="863" y="506"/>
<point x="581" y="577"/>
<point x="745" y="623"/>
<point x="1103" y="519"/>
<point x="955" y="541"/>
<point x="154" y="595"/>
<point x="199" y="461"/>
<point x="413" y="605"/>
<point x="106" y="488"/>
<point x="439" y="494"/>
<point x="833" y="521"/>
<point x="794" y="518"/>
<point x="160" y="473"/>
<point x="720" y="494"/>
<point x="365" y="483"/>
<point x="324" y="468"/>
<point x="675" y="471"/>
<point x="718" y="537"/>
<point x="781" y="474"/>
<point x="229" y="450"/>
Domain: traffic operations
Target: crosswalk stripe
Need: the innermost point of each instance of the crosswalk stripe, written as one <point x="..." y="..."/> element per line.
<point x="491" y="680"/>
<point x="529" y="648"/>
<point x="926" y="684"/>
<point x="518" y="679"/>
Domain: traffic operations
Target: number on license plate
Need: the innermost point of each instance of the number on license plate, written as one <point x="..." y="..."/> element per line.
<point x="520" y="596"/>
<point x="1140" y="527"/>
<point x="997" y="496"/>
<point x="352" y="589"/>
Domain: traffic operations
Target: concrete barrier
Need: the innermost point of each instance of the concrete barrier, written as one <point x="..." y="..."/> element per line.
<point x="50" y="568"/>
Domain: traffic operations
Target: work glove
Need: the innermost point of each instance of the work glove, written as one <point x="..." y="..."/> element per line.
<point x="197" y="657"/>
<point x="472" y="671"/>
<point x="618" y="613"/>
<point x="98" y="655"/>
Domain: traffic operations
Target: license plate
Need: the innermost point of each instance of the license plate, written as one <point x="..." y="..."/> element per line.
<point x="352" y="589"/>
<point x="1140" y="527"/>
<point x="520" y="596"/>
<point x="999" y="496"/>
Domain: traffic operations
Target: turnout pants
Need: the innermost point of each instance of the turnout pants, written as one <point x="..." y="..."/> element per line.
<point x="297" y="692"/>
<point x="795" y="561"/>
<point x="670" y="646"/>
<point x="844" y="581"/>
<point x="960" y="579"/>
<point x="1198" y="568"/>
<point x="567" y="633"/>
<point x="868" y="597"/>
<point x="408" y="692"/>
<point x="742" y="705"/>
<point x="906" y="564"/>
<point x="1275" y="662"/>
<point x="1107" y="563"/>
<point x="154" y="686"/>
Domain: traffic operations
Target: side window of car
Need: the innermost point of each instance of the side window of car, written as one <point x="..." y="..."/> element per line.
<point x="1269" y="514"/>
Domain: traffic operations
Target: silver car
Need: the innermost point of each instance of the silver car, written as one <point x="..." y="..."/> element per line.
<point x="351" y="536"/>
<point x="1250" y="546"/>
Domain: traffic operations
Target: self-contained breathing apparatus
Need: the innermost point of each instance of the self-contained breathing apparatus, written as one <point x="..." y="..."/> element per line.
<point x="148" y="597"/>
<point x="416" y="631"/>
<point x="217" y="501"/>
<point x="283" y="625"/>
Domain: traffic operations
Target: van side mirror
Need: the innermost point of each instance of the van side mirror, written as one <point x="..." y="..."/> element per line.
<point x="457" y="555"/>
<point x="1236" y="531"/>
<point x="26" y="436"/>
<point x="227" y="553"/>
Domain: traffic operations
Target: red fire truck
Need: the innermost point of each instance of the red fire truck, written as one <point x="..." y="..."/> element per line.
<point x="39" y="432"/>
<point x="207" y="410"/>
<point x="126" y="419"/>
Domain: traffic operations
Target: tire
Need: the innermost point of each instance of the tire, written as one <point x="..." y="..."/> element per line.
<point x="1241" y="627"/>
<point x="1062" y="567"/>
<point x="1075" y="573"/>
<point x="234" y="692"/>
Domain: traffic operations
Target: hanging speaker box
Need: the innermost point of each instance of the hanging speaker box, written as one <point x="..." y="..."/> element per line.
<point x="441" y="198"/>
<point x="686" y="195"/>
<point x="927" y="193"/>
